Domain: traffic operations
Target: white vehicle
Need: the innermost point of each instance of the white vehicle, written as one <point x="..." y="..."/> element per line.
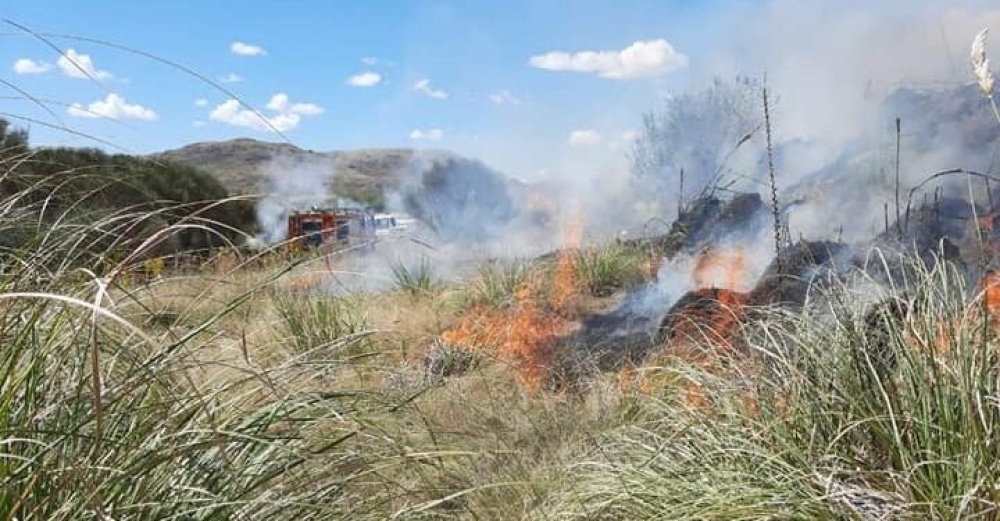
<point x="390" y="224"/>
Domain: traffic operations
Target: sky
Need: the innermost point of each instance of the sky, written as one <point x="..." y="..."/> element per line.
<point x="529" y="86"/>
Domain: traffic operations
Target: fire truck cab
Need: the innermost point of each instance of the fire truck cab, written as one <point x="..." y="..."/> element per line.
<point x="320" y="227"/>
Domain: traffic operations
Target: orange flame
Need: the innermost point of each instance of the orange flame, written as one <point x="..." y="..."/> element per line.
<point x="566" y="276"/>
<point x="946" y="328"/>
<point x="719" y="269"/>
<point x="522" y="334"/>
<point x="987" y="228"/>
<point x="525" y="333"/>
<point x="990" y="286"/>
<point x="712" y="316"/>
<point x="702" y="330"/>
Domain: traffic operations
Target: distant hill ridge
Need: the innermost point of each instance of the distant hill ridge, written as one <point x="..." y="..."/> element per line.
<point x="245" y="166"/>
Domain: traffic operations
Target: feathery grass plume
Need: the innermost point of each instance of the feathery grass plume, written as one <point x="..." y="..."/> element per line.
<point x="981" y="64"/>
<point x="981" y="69"/>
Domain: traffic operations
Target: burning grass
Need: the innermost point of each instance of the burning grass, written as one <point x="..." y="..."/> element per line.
<point x="525" y="332"/>
<point x="542" y="311"/>
<point x="827" y="417"/>
<point x="290" y="404"/>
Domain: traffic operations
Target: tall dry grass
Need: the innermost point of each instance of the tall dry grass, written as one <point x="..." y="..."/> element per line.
<point x="833" y="415"/>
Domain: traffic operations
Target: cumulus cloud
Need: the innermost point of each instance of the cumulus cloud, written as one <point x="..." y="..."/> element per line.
<point x="365" y="79"/>
<point x="280" y="103"/>
<point x="27" y="66"/>
<point x="286" y="115"/>
<point x="431" y="134"/>
<point x="582" y="138"/>
<point x="424" y="86"/>
<point x="76" y="65"/>
<point x="231" y="78"/>
<point x="112" y="106"/>
<point x="504" y="97"/>
<point x="642" y="59"/>
<point x="201" y="102"/>
<point x="246" y="49"/>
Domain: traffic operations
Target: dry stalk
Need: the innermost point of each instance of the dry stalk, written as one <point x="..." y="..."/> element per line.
<point x="774" y="185"/>
<point x="899" y="228"/>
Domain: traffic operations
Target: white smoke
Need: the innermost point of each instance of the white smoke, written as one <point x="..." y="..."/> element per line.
<point x="293" y="184"/>
<point x="829" y="66"/>
<point x="298" y="183"/>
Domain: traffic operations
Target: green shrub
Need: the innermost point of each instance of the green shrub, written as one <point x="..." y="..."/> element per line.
<point x="322" y="326"/>
<point x="416" y="279"/>
<point x="495" y="283"/>
<point x="605" y="270"/>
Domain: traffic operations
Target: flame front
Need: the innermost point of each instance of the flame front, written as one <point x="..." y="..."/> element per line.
<point x="525" y="333"/>
<point x="716" y="268"/>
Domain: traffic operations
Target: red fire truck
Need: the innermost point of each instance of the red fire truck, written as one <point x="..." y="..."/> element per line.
<point x="320" y="227"/>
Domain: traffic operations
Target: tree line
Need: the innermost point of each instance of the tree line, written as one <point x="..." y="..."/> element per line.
<point x="105" y="205"/>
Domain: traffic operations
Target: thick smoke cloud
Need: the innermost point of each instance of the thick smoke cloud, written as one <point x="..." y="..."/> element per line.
<point x="294" y="184"/>
<point x="840" y="74"/>
<point x="458" y="199"/>
<point x="832" y="62"/>
<point x="834" y="70"/>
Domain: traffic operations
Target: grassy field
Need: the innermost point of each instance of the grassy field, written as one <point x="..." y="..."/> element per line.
<point x="245" y="389"/>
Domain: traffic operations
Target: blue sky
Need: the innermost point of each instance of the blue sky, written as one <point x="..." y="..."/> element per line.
<point x="429" y="73"/>
<point x="522" y="84"/>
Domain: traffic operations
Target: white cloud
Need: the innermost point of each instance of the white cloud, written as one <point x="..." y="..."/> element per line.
<point x="504" y="97"/>
<point x="76" y="65"/>
<point x="231" y="78"/>
<point x="365" y="79"/>
<point x="582" y="138"/>
<point x="29" y="66"/>
<point x="279" y="103"/>
<point x="201" y="102"/>
<point x="369" y="60"/>
<point x="431" y="134"/>
<point x="112" y="106"/>
<point x="287" y="115"/>
<point x="642" y="59"/>
<point x="230" y="112"/>
<point x="246" y="49"/>
<point x="424" y="86"/>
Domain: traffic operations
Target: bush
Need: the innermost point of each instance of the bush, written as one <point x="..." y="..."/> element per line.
<point x="416" y="279"/>
<point x="82" y="187"/>
<point x="322" y="327"/>
<point x="459" y="199"/>
<point x="606" y="270"/>
<point x="496" y="282"/>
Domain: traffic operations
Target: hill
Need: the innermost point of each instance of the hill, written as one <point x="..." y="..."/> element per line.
<point x="246" y="166"/>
